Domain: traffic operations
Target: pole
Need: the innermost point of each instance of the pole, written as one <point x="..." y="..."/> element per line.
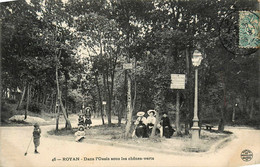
<point x="233" y="115"/>
<point x="178" y="131"/>
<point x="105" y="114"/>
<point x="195" y="128"/>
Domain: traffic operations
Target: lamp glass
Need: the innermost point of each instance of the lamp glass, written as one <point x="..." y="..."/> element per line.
<point x="197" y="57"/>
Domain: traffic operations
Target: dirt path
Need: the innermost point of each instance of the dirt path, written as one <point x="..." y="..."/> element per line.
<point x="14" y="141"/>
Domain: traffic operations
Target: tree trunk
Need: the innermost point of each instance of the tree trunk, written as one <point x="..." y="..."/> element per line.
<point x="94" y="107"/>
<point x="59" y="96"/>
<point x="37" y="97"/>
<point x="135" y="91"/>
<point x="100" y="100"/>
<point x="28" y="102"/>
<point x="129" y="107"/>
<point x="109" y="98"/>
<point x="22" y="98"/>
<point x="66" y="98"/>
<point x="187" y="117"/>
<point x="223" y="108"/>
<point x="156" y="123"/>
<point x="52" y="102"/>
<point x="46" y="99"/>
<point x="109" y="110"/>
<point x="251" y="113"/>
<point x="177" y="121"/>
<point x="125" y="93"/>
<point x="64" y="114"/>
<point x="119" y="112"/>
<point x="221" y="122"/>
<point x="57" y="108"/>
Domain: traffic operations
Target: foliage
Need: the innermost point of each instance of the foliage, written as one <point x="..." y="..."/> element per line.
<point x="92" y="39"/>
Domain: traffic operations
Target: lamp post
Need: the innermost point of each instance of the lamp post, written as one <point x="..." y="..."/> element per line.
<point x="196" y="60"/>
<point x="233" y="114"/>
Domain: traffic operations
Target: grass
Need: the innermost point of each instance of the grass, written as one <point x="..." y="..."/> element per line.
<point x="114" y="135"/>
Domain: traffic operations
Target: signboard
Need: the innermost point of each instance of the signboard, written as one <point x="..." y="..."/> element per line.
<point x="177" y="81"/>
<point x="127" y="66"/>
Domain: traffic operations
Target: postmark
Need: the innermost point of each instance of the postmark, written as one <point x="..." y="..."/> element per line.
<point x="229" y="35"/>
<point x="246" y="155"/>
<point x="249" y="29"/>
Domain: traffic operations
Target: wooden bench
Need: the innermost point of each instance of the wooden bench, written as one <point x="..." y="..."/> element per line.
<point x="208" y="126"/>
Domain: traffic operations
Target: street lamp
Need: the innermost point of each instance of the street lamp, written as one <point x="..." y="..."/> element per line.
<point x="196" y="60"/>
<point x="233" y="114"/>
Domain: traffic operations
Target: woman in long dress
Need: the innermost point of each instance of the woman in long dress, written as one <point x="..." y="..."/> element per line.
<point x="151" y="120"/>
<point x="140" y="125"/>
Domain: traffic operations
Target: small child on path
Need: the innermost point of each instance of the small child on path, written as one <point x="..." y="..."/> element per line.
<point x="80" y="134"/>
<point x="36" y="137"/>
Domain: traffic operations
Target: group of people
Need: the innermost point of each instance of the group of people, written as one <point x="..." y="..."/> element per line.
<point x="83" y="123"/>
<point x="87" y="121"/>
<point x="144" y="125"/>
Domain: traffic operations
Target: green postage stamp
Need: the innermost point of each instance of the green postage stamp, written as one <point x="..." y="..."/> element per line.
<point x="249" y="29"/>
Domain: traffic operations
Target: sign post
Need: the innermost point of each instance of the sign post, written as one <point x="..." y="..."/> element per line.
<point x="104" y="103"/>
<point x="178" y="82"/>
<point x="127" y="66"/>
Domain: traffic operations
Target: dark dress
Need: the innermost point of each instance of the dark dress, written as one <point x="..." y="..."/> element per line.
<point x="81" y="121"/>
<point x="88" y="121"/>
<point x="88" y="117"/>
<point x="167" y="128"/>
<point x="36" y="136"/>
<point x="140" y="130"/>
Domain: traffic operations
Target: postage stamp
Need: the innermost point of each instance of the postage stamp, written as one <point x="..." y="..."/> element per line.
<point x="229" y="35"/>
<point x="249" y="29"/>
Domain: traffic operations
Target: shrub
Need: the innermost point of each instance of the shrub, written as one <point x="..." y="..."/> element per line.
<point x="6" y="111"/>
<point x="11" y="101"/>
<point x="33" y="107"/>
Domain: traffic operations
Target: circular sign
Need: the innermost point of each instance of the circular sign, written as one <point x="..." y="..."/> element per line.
<point x="246" y="155"/>
<point x="229" y="35"/>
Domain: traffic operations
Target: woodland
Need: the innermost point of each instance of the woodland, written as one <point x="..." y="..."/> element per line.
<point x="58" y="55"/>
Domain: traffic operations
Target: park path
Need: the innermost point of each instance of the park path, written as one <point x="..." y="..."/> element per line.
<point x="14" y="141"/>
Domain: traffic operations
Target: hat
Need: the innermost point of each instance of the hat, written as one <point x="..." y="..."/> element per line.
<point x="87" y="108"/>
<point x="81" y="128"/>
<point x="149" y="111"/>
<point x="140" y="113"/>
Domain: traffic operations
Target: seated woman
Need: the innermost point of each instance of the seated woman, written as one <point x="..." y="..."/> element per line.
<point x="151" y="122"/>
<point x="140" y="129"/>
<point x="166" y="126"/>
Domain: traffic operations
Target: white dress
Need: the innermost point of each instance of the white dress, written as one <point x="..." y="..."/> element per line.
<point x="151" y="119"/>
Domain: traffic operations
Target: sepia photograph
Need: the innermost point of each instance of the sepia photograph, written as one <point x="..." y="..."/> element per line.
<point x="134" y="83"/>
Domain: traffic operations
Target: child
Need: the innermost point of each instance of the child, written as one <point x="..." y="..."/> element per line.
<point x="36" y="137"/>
<point x="80" y="120"/>
<point x="88" y="121"/>
<point x="80" y="134"/>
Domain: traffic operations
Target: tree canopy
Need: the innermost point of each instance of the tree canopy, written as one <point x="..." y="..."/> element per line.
<point x="88" y="42"/>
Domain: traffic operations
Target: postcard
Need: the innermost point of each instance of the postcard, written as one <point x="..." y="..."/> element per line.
<point x="129" y="83"/>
